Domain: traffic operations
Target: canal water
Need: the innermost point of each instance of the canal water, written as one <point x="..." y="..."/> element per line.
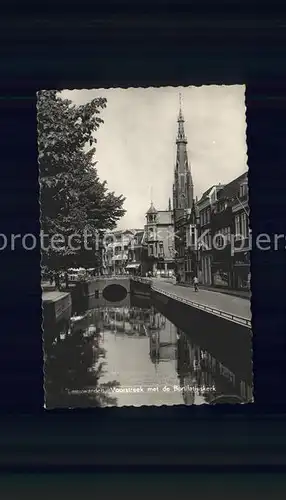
<point x="128" y="353"/>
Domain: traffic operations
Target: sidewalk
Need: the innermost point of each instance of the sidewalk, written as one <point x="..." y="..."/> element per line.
<point x="227" y="303"/>
<point x="53" y="295"/>
<point x="244" y="294"/>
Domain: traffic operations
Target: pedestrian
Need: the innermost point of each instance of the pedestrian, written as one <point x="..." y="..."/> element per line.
<point x="196" y="284"/>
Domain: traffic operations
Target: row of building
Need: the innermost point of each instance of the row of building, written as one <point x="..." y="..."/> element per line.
<point x="208" y="238"/>
<point x="142" y="251"/>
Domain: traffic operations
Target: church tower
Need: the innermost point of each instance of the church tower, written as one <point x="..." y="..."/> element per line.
<point x="183" y="189"/>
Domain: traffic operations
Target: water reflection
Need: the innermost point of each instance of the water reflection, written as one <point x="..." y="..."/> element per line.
<point x="131" y="354"/>
<point x="210" y="379"/>
<point x="74" y="365"/>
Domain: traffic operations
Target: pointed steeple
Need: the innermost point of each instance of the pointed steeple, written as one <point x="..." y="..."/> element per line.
<point x="169" y="208"/>
<point x="183" y="183"/>
<point x="152" y="209"/>
<point x="181" y="131"/>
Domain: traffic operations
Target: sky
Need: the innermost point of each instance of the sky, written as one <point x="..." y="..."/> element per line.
<point x="136" y="145"/>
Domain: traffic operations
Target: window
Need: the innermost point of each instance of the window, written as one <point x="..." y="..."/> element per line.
<point x="219" y="239"/>
<point x="237" y="225"/>
<point x="206" y="216"/>
<point x="244" y="225"/>
<point x="192" y="236"/>
<point x="151" y="250"/>
<point x="243" y="189"/>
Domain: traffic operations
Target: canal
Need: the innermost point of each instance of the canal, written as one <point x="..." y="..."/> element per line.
<point x="130" y="353"/>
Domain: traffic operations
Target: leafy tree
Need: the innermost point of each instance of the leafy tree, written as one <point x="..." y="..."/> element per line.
<point x="73" y="198"/>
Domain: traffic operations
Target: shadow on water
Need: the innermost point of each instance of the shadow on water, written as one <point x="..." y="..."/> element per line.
<point x="74" y="364"/>
<point x="139" y="342"/>
<point x="212" y="350"/>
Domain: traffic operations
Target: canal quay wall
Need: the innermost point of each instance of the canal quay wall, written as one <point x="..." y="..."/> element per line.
<point x="227" y="341"/>
<point x="57" y="311"/>
<point x="56" y="305"/>
<point x="140" y="287"/>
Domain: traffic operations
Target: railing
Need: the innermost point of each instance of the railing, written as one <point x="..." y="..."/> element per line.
<point x="141" y="280"/>
<point x="115" y="277"/>
<point x="212" y="310"/>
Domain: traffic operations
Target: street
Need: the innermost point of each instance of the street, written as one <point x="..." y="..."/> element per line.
<point x="223" y="302"/>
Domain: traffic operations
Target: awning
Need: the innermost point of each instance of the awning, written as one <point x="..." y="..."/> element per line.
<point x="132" y="266"/>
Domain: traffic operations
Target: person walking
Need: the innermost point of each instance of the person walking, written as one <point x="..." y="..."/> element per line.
<point x="196" y="284"/>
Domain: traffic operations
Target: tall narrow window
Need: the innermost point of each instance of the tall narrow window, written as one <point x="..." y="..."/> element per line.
<point x="237" y="225"/>
<point x="243" y="225"/>
<point x="192" y="235"/>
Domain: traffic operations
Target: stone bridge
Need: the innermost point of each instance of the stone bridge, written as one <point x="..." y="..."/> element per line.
<point x="112" y="288"/>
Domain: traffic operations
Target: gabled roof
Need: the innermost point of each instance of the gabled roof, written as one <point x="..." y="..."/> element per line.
<point x="139" y="233"/>
<point x="206" y="194"/>
<point x="232" y="187"/>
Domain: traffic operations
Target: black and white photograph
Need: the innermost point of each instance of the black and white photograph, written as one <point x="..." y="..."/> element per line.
<point x="145" y="246"/>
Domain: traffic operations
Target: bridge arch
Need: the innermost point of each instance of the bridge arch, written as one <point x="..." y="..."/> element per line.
<point x="98" y="286"/>
<point x="114" y="292"/>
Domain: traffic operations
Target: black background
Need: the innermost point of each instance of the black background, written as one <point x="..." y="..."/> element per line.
<point x="150" y="44"/>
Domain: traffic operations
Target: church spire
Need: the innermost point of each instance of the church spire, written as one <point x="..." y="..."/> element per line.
<point x="181" y="131"/>
<point x="169" y="208"/>
<point x="183" y="184"/>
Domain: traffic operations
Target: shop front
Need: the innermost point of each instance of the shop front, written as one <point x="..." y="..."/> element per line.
<point x="221" y="275"/>
<point x="133" y="268"/>
<point x="241" y="272"/>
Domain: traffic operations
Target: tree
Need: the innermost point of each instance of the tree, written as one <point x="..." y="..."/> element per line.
<point x="73" y="199"/>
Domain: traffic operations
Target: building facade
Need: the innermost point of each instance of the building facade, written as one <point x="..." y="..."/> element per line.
<point x="204" y="209"/>
<point x="242" y="238"/>
<point x="115" y="255"/>
<point x="192" y="249"/>
<point x="136" y="255"/>
<point x="159" y="240"/>
<point x="223" y="225"/>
